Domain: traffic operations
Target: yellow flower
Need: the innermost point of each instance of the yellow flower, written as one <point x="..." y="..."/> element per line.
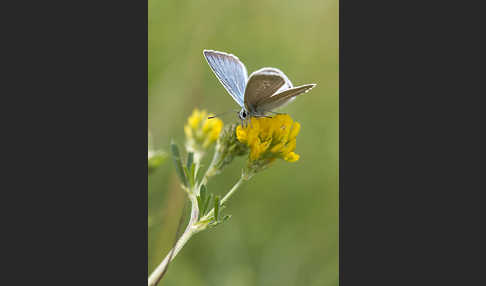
<point x="270" y="138"/>
<point x="200" y="131"/>
<point x="227" y="148"/>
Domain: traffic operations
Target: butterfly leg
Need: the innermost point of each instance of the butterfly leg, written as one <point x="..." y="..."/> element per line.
<point x="258" y="116"/>
<point x="278" y="113"/>
<point x="244" y="123"/>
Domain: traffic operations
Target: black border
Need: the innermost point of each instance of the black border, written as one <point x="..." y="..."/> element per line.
<point x="408" y="128"/>
<point x="82" y="125"/>
<point x="80" y="144"/>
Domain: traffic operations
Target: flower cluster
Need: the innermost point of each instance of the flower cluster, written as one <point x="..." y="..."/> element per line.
<point x="265" y="139"/>
<point x="227" y="148"/>
<point x="269" y="139"/>
<point x="201" y="132"/>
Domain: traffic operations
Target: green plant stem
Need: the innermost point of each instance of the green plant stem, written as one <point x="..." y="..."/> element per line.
<point x="198" y="155"/>
<point x="190" y="230"/>
<point x="232" y="191"/>
<point x="160" y="270"/>
<point x="226" y="198"/>
<point x="194" y="226"/>
<point x="211" y="170"/>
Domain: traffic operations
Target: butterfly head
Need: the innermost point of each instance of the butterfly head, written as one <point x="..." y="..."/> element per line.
<point x="243" y="114"/>
<point x="244" y="117"/>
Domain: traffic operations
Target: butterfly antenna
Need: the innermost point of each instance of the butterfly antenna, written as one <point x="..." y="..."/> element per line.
<point x="218" y="115"/>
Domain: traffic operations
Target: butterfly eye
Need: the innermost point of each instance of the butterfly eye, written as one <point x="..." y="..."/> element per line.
<point x="243" y="114"/>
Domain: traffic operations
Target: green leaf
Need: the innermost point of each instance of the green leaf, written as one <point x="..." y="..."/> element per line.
<point x="186" y="171"/>
<point x="206" y="221"/>
<point x="206" y="203"/>
<point x="203" y="193"/>
<point x="226" y="217"/>
<point x="190" y="160"/>
<point x="189" y="176"/>
<point x="189" y="168"/>
<point x="199" y="205"/>
<point x="201" y="200"/>
<point x="216" y="208"/>
<point x="192" y="174"/>
<point x="178" y="163"/>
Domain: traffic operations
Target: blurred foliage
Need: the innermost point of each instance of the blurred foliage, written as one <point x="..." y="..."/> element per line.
<point x="155" y="157"/>
<point x="284" y="225"/>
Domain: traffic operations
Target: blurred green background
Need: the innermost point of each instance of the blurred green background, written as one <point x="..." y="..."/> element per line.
<point x="284" y="226"/>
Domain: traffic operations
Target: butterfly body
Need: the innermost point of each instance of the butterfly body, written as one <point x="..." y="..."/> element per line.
<point x="258" y="94"/>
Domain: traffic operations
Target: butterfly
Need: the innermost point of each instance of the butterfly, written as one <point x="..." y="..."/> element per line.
<point x="258" y="94"/>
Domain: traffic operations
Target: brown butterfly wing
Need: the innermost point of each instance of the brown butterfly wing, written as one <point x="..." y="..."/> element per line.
<point x="282" y="98"/>
<point x="262" y="84"/>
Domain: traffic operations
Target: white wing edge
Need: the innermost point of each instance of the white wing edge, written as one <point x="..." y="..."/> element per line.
<point x="288" y="83"/>
<point x="230" y="55"/>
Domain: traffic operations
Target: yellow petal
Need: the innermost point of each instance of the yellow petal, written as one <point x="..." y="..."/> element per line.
<point x="277" y="148"/>
<point x="264" y="146"/>
<point x="241" y="134"/>
<point x="289" y="147"/>
<point x="207" y="124"/>
<point x="216" y="129"/>
<point x="255" y="124"/>
<point x="255" y="152"/>
<point x="194" y="119"/>
<point x="282" y="125"/>
<point x="280" y="132"/>
<point x="291" y="157"/>
<point x="188" y="131"/>
<point x="253" y="137"/>
<point x="295" y="130"/>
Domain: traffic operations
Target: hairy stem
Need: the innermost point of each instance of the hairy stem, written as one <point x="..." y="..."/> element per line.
<point x="226" y="198"/>
<point x="192" y="228"/>
<point x="212" y="169"/>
